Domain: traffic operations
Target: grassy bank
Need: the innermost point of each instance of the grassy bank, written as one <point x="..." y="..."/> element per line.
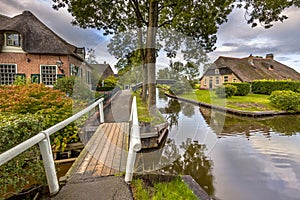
<point x="251" y="102"/>
<point x="175" y="189"/>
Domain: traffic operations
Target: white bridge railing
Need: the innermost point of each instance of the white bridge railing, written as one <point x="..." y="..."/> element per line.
<point x="43" y="140"/>
<point x="135" y="142"/>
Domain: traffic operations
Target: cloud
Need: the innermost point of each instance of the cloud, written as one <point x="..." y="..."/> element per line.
<point x="237" y="39"/>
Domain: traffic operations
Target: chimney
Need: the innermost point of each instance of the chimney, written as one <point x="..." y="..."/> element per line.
<point x="104" y="62"/>
<point x="250" y="60"/>
<point x="270" y="56"/>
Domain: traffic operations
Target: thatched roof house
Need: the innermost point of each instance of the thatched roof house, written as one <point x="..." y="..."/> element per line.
<point x="248" y="69"/>
<point x="30" y="48"/>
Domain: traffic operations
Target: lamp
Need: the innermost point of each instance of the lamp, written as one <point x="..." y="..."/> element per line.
<point x="59" y="64"/>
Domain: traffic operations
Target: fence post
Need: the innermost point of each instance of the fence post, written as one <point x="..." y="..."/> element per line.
<point x="101" y="113"/>
<point x="49" y="166"/>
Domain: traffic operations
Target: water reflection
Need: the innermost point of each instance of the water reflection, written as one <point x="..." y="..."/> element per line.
<point x="231" y="157"/>
<point x="193" y="162"/>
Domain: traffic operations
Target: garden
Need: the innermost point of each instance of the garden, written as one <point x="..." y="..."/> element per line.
<point x="262" y="95"/>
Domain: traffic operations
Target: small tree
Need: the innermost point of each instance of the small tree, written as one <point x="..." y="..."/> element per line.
<point x="226" y="91"/>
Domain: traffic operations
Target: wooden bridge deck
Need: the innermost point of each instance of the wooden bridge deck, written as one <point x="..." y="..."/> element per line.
<point x="105" y="154"/>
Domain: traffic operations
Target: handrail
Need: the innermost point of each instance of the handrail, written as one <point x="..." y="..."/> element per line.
<point x="43" y="140"/>
<point x="135" y="142"/>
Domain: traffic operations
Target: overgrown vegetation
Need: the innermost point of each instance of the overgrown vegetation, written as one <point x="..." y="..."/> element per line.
<point x="286" y="100"/>
<point x="175" y="189"/>
<point x="268" y="86"/>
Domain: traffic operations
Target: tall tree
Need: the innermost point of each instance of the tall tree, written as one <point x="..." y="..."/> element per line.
<point x="198" y="19"/>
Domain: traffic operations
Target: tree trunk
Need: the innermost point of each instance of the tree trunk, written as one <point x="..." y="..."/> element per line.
<point x="144" y="67"/>
<point x="151" y="55"/>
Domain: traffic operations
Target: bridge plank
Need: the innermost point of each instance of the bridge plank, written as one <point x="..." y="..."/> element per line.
<point x="105" y="154"/>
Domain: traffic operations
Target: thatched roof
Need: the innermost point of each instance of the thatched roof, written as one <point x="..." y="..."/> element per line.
<point x="252" y="68"/>
<point x="36" y="36"/>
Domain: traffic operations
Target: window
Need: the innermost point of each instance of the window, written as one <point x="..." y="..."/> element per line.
<point x="234" y="80"/>
<point x="217" y="71"/>
<point x="205" y="82"/>
<point x="73" y="70"/>
<point x="48" y="74"/>
<point x="12" y="39"/>
<point x="217" y="80"/>
<point x="225" y="79"/>
<point x="7" y="74"/>
<point x="88" y="77"/>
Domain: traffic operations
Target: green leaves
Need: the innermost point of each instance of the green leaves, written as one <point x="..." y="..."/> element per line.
<point x="286" y="100"/>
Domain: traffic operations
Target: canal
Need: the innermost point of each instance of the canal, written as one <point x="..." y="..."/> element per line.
<point x="231" y="157"/>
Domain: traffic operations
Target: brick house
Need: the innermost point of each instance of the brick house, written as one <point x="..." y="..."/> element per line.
<point x="248" y="69"/>
<point x="30" y="49"/>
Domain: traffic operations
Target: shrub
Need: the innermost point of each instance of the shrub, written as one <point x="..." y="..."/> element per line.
<point x="15" y="128"/>
<point x="226" y="91"/>
<point x="242" y="88"/>
<point x="74" y="87"/>
<point x="285" y="100"/>
<point x="268" y="86"/>
<point x="52" y="105"/>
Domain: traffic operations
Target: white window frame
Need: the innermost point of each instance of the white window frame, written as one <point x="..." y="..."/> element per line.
<point x="12" y="48"/>
<point x="16" y="68"/>
<point x="217" y="71"/>
<point x="41" y="75"/>
<point x="13" y="40"/>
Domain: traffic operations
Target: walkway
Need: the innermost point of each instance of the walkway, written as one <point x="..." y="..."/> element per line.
<point x="105" y="155"/>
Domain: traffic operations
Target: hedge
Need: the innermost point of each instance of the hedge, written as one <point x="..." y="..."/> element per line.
<point x="242" y="88"/>
<point x="15" y="128"/>
<point x="268" y="86"/>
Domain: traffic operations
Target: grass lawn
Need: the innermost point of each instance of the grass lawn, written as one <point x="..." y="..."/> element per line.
<point x="251" y="102"/>
<point x="143" y="112"/>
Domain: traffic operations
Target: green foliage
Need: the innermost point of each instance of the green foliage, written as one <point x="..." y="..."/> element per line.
<point x="226" y="91"/>
<point x="268" y="86"/>
<point x="286" y="100"/>
<point x="110" y="81"/>
<point x="15" y="128"/>
<point x="52" y="105"/>
<point x="175" y="189"/>
<point x="74" y="87"/>
<point x="242" y="88"/>
<point x="20" y="80"/>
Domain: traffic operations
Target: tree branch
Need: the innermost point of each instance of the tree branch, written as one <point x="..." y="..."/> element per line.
<point x="135" y="5"/>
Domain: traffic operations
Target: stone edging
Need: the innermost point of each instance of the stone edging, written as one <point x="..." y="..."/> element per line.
<point x="232" y="111"/>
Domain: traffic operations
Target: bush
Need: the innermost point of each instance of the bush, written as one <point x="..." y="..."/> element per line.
<point x="15" y="128"/>
<point x="285" y="100"/>
<point x="52" y="105"/>
<point x="74" y="87"/>
<point x="242" y="88"/>
<point x="226" y="91"/>
<point x="268" y="86"/>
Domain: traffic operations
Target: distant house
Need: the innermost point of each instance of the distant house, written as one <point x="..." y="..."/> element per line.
<point x="226" y="69"/>
<point x="30" y="49"/>
<point x="100" y="72"/>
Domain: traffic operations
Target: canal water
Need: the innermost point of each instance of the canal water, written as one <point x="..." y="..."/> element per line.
<point x="231" y="157"/>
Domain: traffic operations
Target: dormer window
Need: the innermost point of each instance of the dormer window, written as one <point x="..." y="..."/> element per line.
<point x="12" y="39"/>
<point x="217" y="71"/>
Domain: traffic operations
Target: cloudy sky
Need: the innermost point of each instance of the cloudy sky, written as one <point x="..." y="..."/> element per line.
<point x="235" y="38"/>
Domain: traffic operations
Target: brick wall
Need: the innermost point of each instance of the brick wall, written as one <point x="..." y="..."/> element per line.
<point x="30" y="63"/>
